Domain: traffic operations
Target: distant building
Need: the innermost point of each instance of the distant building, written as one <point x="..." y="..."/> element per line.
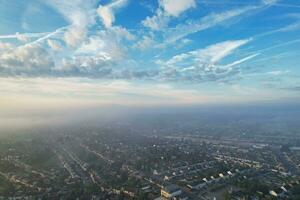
<point x="197" y="185"/>
<point x="230" y="173"/>
<point x="181" y="197"/>
<point x="170" y="191"/>
<point x="273" y="193"/>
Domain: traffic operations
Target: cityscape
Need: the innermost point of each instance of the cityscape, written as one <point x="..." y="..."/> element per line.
<point x="149" y="99"/>
<point x="126" y="160"/>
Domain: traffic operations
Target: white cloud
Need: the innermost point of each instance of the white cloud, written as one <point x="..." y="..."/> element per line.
<point x="98" y="53"/>
<point x="270" y="2"/>
<point x="156" y="22"/>
<point x="204" y="64"/>
<point x="55" y="45"/>
<point x="74" y="36"/>
<point x="176" y="7"/>
<point x="167" y="9"/>
<point x="106" y="41"/>
<point x="214" y="53"/>
<point x="106" y="15"/>
<point x="25" y="59"/>
<point x="207" y="56"/>
<point x="120" y="33"/>
<point x="290" y="27"/>
<point x="98" y="65"/>
<point x="144" y="43"/>
<point x="93" y="57"/>
<point x="5" y="46"/>
<point x="81" y="14"/>
<point x="107" y="12"/>
<point x="170" y="8"/>
<point x="211" y="20"/>
<point x="278" y="72"/>
<point x="22" y="36"/>
<point x="58" y="32"/>
<point x="93" y="45"/>
<point x="241" y="60"/>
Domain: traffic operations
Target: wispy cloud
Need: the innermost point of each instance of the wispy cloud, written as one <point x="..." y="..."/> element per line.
<point x="278" y="72"/>
<point x="22" y="36"/>
<point x="291" y="27"/>
<point x="166" y="10"/>
<point x="204" y="64"/>
<point x="104" y="51"/>
<point x="107" y="12"/>
<point x="28" y="59"/>
<point x="211" y="20"/>
<point x="55" y="45"/>
<point x="176" y="7"/>
<point x="90" y="55"/>
<point x="171" y="35"/>
<point x="286" y="5"/>
<point x="241" y="60"/>
<point x="5" y="46"/>
<point x="157" y="22"/>
<point x="282" y="44"/>
<point x="80" y="14"/>
<point x="208" y="56"/>
<point x="49" y="35"/>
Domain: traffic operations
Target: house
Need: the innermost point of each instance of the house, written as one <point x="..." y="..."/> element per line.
<point x="182" y="196"/>
<point x="273" y="193"/>
<point x="170" y="191"/>
<point x="197" y="185"/>
<point x="230" y="173"/>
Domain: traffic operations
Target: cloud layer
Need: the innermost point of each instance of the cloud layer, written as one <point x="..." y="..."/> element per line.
<point x="182" y="41"/>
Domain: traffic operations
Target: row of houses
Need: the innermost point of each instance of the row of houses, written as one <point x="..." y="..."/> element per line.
<point x="196" y="185"/>
<point x="172" y="192"/>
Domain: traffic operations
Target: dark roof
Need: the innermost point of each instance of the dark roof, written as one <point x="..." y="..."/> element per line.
<point x="181" y="196"/>
<point x="171" y="188"/>
<point x="195" y="183"/>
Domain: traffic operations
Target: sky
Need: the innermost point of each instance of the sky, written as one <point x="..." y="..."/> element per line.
<point x="71" y="53"/>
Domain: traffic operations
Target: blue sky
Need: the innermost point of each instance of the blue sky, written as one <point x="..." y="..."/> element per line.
<point x="149" y="52"/>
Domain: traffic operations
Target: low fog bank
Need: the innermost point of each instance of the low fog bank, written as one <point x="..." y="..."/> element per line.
<point x="276" y="116"/>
